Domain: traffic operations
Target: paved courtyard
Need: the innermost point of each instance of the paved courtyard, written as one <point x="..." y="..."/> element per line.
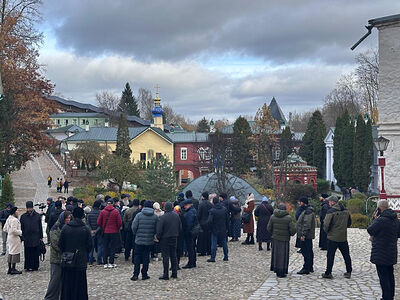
<point x="245" y="276"/>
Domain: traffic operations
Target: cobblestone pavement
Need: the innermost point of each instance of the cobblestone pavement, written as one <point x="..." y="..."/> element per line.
<point x="245" y="275"/>
<point x="364" y="282"/>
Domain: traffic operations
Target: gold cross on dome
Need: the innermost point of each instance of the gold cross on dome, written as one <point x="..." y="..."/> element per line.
<point x="157" y="87"/>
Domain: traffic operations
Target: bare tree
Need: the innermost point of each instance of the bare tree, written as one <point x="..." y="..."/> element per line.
<point x="108" y="101"/>
<point x="145" y="101"/>
<point x="298" y="121"/>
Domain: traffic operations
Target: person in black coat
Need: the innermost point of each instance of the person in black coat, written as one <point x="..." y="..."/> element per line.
<point x="322" y="214"/>
<point x="384" y="231"/>
<point x="189" y="195"/>
<point x="190" y="216"/>
<point x="218" y="221"/>
<point x="168" y="228"/>
<point x="97" y="238"/>
<point x="55" y="214"/>
<point x="264" y="212"/>
<point x="75" y="237"/>
<point x="32" y="234"/>
<point x="204" y="240"/>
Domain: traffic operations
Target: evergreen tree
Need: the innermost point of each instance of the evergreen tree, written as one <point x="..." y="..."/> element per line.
<point x="359" y="155"/>
<point x="203" y="126"/>
<point x="369" y="149"/>
<point x="286" y="143"/>
<point x="337" y="142"/>
<point x="241" y="146"/>
<point x="346" y="151"/>
<point x="7" y="195"/>
<point x="158" y="181"/>
<point x="313" y="148"/>
<point x="123" y="139"/>
<point x="128" y="104"/>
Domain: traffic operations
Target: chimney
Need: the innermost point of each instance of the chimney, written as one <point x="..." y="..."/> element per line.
<point x="87" y="127"/>
<point x="106" y="124"/>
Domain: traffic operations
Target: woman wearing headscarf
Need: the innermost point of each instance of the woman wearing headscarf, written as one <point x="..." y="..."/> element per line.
<point x="264" y="212"/>
<point x="235" y="227"/>
<point x="13" y="229"/>
<point x="282" y="228"/>
<point x="248" y="227"/>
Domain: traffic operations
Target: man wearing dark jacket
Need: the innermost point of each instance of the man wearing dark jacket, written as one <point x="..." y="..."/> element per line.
<point x="204" y="240"/>
<point x="32" y="233"/>
<point x="144" y="228"/>
<point x="306" y="233"/>
<point x="190" y="221"/>
<point x="97" y="239"/>
<point x="168" y="228"/>
<point x="322" y="214"/>
<point x="129" y="215"/>
<point x="218" y="221"/>
<point x="75" y="238"/>
<point x="55" y="214"/>
<point x="3" y="218"/>
<point x="189" y="195"/>
<point x="336" y="222"/>
<point x="110" y="222"/>
<point x="384" y="231"/>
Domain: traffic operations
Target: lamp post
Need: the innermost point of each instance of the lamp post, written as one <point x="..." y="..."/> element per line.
<point x="381" y="145"/>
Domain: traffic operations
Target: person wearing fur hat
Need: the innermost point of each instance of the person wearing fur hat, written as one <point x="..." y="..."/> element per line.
<point x="324" y="209"/>
<point x="249" y="227"/>
<point x="13" y="228"/>
<point x="75" y="238"/>
<point x="3" y="218"/>
<point x="32" y="233"/>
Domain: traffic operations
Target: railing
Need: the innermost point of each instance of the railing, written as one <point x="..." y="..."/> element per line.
<point x="62" y="170"/>
<point x="394" y="202"/>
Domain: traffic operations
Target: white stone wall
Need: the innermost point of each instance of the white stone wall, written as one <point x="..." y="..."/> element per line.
<point x="389" y="102"/>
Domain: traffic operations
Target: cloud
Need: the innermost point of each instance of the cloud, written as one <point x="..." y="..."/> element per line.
<point x="276" y="31"/>
<point x="190" y="88"/>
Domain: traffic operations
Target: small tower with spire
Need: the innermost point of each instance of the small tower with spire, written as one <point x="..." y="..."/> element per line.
<point x="157" y="111"/>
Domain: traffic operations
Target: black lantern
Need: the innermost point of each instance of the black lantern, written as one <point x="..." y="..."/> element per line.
<point x="381" y="144"/>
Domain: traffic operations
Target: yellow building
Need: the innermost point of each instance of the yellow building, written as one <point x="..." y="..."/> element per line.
<point x="145" y="143"/>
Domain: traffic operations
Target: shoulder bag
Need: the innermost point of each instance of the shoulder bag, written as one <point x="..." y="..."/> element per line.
<point x="69" y="259"/>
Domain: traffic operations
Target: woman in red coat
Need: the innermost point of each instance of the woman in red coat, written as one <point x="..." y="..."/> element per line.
<point x="249" y="227"/>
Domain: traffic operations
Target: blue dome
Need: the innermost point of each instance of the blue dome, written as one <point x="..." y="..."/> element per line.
<point x="157" y="111"/>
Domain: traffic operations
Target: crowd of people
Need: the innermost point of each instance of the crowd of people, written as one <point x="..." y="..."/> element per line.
<point x="60" y="184"/>
<point x="139" y="230"/>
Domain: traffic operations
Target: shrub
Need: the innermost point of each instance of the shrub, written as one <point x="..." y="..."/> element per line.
<point x="356" y="206"/>
<point x="322" y="186"/>
<point x="7" y="195"/>
<point x="295" y="191"/>
<point x="360" y="221"/>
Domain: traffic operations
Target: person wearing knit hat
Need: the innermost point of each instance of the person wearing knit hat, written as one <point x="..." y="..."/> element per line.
<point x="32" y="233"/>
<point x="324" y="203"/>
<point x="306" y="233"/>
<point x="3" y="218"/>
<point x="75" y="238"/>
<point x="13" y="228"/>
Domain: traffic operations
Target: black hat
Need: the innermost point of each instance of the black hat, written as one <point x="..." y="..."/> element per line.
<point x="324" y="196"/>
<point x="116" y="199"/>
<point x="205" y="195"/>
<point x="135" y="202"/>
<point x="78" y="213"/>
<point x="189" y="194"/>
<point x="29" y="204"/>
<point x="223" y="195"/>
<point x="142" y="203"/>
<point x="148" y="203"/>
<point x="50" y="199"/>
<point x="9" y="205"/>
<point x="13" y="210"/>
<point x="58" y="203"/>
<point x="106" y="198"/>
<point x="110" y="201"/>
<point x="97" y="204"/>
<point x="187" y="201"/>
<point x="75" y="200"/>
<point x="304" y="200"/>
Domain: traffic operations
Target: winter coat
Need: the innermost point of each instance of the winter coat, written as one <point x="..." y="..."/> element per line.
<point x="190" y="219"/>
<point x="264" y="212"/>
<point x="203" y="212"/>
<point x="306" y="223"/>
<point x="55" y="252"/>
<point x="13" y="228"/>
<point x="76" y="236"/>
<point x="385" y="231"/>
<point x="234" y="208"/>
<point x="336" y="222"/>
<point x="218" y="220"/>
<point x="196" y="202"/>
<point x="114" y="220"/>
<point x="281" y="226"/>
<point x="128" y="216"/>
<point x="32" y="231"/>
<point x="54" y="217"/>
<point x="169" y="225"/>
<point x="3" y="216"/>
<point x="299" y="210"/>
<point x="92" y="217"/>
<point x="144" y="226"/>
<point x="50" y="209"/>
<point x="324" y="210"/>
<point x="249" y="227"/>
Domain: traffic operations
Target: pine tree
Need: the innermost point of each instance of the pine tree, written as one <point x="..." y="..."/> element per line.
<point x="128" y="104"/>
<point x="241" y="146"/>
<point x="7" y="195"/>
<point x="346" y="151"/>
<point x="359" y="155"/>
<point x="203" y="126"/>
<point x="158" y="181"/>
<point x="123" y="139"/>
<point x="337" y="142"/>
<point x="369" y="150"/>
<point x="313" y="148"/>
<point x="285" y="143"/>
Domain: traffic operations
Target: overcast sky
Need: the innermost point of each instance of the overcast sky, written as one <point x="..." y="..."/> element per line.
<point x="213" y="58"/>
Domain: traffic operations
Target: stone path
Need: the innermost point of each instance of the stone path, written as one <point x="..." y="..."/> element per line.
<point x="364" y="283"/>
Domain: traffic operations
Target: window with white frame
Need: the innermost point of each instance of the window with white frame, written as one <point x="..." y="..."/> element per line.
<point x="208" y="153"/>
<point x="183" y="153"/>
<point x="202" y="153"/>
